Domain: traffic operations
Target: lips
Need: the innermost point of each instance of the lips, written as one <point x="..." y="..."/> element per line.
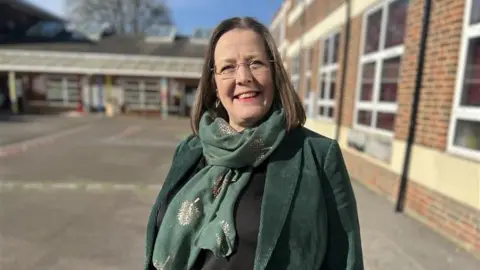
<point x="247" y="95"/>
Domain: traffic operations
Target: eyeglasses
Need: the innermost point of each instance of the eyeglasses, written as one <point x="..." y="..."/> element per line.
<point x="230" y="70"/>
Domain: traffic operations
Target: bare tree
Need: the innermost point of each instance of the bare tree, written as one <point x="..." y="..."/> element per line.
<point x="126" y="16"/>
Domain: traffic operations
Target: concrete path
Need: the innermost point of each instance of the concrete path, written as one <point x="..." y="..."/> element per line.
<point x="82" y="200"/>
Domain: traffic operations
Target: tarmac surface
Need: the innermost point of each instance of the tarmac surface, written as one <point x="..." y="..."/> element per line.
<point x="75" y="193"/>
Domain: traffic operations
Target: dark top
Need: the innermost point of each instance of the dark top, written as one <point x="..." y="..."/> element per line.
<point x="247" y="222"/>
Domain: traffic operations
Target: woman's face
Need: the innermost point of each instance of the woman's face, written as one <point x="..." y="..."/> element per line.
<point x="243" y="77"/>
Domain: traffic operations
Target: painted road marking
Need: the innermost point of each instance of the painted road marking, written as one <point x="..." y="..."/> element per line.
<point x="127" y="132"/>
<point x="20" y="147"/>
<point x="11" y="185"/>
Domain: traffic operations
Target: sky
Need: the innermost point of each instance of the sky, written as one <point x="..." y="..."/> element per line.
<point x="190" y="14"/>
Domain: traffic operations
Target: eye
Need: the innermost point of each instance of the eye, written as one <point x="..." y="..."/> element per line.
<point x="256" y="64"/>
<point x="227" y="69"/>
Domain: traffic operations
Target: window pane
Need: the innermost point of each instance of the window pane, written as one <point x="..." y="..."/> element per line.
<point x="330" y="112"/>
<point x="333" y="81"/>
<point x="308" y="59"/>
<point x="397" y="15"/>
<point x="386" y="121"/>
<point x="471" y="84"/>
<point x="364" y="118"/>
<point x="321" y="110"/>
<point x="295" y="84"/>
<point x="47" y="29"/>
<point x="323" y="86"/>
<point x="475" y="17"/>
<point x="326" y="45"/>
<point x="336" y="46"/>
<point x="390" y="76"/>
<point x="308" y="87"/>
<point x="467" y="134"/>
<point x="374" y="25"/>
<point x="368" y="78"/>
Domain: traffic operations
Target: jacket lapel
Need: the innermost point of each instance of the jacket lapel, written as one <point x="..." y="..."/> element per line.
<point x="282" y="176"/>
<point x="185" y="159"/>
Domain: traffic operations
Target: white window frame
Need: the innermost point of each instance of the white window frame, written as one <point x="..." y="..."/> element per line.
<point x="282" y="31"/>
<point x="378" y="57"/>
<point x="143" y="88"/>
<point x="295" y="78"/>
<point x="460" y="112"/>
<point x="308" y="95"/>
<point x="327" y="70"/>
<point x="69" y="87"/>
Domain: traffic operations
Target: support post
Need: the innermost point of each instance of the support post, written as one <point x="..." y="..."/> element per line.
<point x="13" y="92"/>
<point x="108" y="83"/>
<point x="164" y="97"/>
<point x="100" y="93"/>
<point x="181" y="90"/>
<point x="80" y="93"/>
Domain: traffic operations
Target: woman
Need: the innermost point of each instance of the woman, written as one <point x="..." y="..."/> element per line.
<point x="252" y="188"/>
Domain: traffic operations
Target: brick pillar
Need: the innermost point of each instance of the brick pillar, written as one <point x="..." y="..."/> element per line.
<point x="351" y="69"/>
<point x="441" y="64"/>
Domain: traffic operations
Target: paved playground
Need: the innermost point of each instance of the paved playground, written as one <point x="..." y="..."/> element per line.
<point x="75" y="193"/>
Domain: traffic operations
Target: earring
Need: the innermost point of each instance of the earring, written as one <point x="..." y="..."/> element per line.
<point x="217" y="103"/>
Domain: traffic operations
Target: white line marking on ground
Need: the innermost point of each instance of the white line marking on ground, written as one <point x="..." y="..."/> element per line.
<point x="20" y="147"/>
<point x="64" y="186"/>
<point x="11" y="186"/>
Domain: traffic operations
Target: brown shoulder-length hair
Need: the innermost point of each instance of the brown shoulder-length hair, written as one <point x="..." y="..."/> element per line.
<point x="285" y="94"/>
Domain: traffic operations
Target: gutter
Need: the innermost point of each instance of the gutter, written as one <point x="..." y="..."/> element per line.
<point x="346" y="44"/>
<point x="413" y="117"/>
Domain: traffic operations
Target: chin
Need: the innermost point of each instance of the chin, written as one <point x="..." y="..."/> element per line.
<point x="251" y="119"/>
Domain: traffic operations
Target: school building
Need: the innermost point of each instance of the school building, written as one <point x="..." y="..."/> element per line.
<point x="397" y="83"/>
<point x="49" y="65"/>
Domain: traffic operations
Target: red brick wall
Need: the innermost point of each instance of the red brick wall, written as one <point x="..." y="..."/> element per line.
<point x="456" y="221"/>
<point x="315" y="13"/>
<point x="317" y="54"/>
<point x="451" y="218"/>
<point x="351" y="69"/>
<point x="440" y="71"/>
<point x="294" y="30"/>
<point x="319" y="10"/>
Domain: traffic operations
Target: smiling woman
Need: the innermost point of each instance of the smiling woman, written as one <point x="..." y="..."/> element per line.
<point x="251" y="188"/>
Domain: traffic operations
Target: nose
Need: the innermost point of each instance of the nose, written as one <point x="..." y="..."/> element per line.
<point x="243" y="75"/>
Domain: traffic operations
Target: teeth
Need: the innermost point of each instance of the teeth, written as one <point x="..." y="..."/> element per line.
<point x="247" y="95"/>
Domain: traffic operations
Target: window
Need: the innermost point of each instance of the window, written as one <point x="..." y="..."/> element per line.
<point x="278" y="32"/>
<point x="465" y="121"/>
<point x="63" y="90"/>
<point x="308" y="93"/>
<point x="379" y="70"/>
<point x="282" y="31"/>
<point x="47" y="29"/>
<point x="144" y="94"/>
<point x="296" y="72"/>
<point x="327" y="76"/>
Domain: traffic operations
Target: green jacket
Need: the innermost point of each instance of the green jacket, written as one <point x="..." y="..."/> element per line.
<point x="309" y="214"/>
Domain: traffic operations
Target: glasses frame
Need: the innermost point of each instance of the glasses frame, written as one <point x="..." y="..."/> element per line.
<point x="213" y="69"/>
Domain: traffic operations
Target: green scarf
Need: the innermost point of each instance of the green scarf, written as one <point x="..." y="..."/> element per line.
<point x="201" y="214"/>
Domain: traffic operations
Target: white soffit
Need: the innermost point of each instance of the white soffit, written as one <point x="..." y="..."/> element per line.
<point x="60" y="62"/>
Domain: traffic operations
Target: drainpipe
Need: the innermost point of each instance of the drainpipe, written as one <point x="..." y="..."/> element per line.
<point x="413" y="117"/>
<point x="346" y="44"/>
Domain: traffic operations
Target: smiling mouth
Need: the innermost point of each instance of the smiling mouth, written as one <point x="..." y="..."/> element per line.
<point x="246" y="96"/>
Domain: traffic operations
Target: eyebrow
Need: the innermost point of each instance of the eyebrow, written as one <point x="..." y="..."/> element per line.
<point x="248" y="58"/>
